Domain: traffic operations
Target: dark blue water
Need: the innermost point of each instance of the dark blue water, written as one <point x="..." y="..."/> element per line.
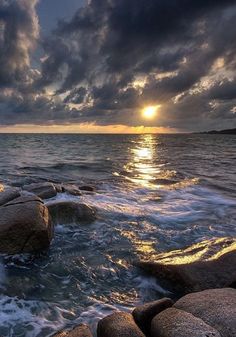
<point x="153" y="193"/>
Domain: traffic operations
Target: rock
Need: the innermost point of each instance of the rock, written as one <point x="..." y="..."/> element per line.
<point x="58" y="188"/>
<point x="119" y="324"/>
<point x="80" y="331"/>
<point x="8" y="195"/>
<point x="216" y="307"/>
<point x="25" y="226"/>
<point x="209" y="264"/>
<point x="87" y="188"/>
<point x="71" y="212"/>
<point x="42" y="190"/>
<point x="177" y="323"/>
<point x="144" y="314"/>
<point x="71" y="189"/>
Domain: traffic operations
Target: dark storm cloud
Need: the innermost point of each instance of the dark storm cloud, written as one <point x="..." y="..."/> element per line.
<point x="226" y="90"/>
<point x="18" y="34"/>
<point x="114" y="57"/>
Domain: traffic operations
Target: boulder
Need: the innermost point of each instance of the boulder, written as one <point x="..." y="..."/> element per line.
<point x="173" y="322"/>
<point x="25" y="226"/>
<point x="144" y="314"/>
<point x="71" y="212"/>
<point x="79" y="331"/>
<point x="42" y="190"/>
<point x="209" y="264"/>
<point x="216" y="307"/>
<point x="71" y="189"/>
<point x="8" y="195"/>
<point x="118" y="324"/>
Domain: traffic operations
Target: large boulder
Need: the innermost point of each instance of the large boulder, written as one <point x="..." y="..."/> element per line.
<point x="71" y="212"/>
<point x="209" y="264"/>
<point x="178" y="323"/>
<point x="79" y="331"/>
<point x="8" y="195"/>
<point x="44" y="190"/>
<point x="119" y="324"/>
<point x="144" y="314"/>
<point x="216" y="307"/>
<point x="25" y="226"/>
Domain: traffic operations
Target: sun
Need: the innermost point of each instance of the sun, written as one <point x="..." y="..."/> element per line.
<point x="149" y="112"/>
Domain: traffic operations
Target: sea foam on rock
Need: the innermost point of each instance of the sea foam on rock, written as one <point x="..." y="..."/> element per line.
<point x="25" y="226"/>
<point x="71" y="212"/>
<point x="208" y="264"/>
<point x="79" y="331"/>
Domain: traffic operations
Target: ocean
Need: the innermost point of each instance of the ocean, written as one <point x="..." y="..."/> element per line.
<point x="154" y="193"/>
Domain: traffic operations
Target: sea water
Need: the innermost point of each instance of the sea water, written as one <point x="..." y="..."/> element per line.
<point x="153" y="193"/>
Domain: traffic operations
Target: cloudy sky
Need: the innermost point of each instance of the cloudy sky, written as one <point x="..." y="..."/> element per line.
<point x="95" y="65"/>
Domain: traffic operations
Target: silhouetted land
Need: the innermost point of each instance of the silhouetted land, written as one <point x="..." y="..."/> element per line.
<point x="221" y="132"/>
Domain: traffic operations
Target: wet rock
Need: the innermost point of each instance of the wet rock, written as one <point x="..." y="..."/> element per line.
<point x="25" y="226"/>
<point x="119" y="324"/>
<point x="42" y="190"/>
<point x="71" y="189"/>
<point x="209" y="264"/>
<point x="216" y="307"/>
<point x="71" y="212"/>
<point x="144" y="314"/>
<point x="178" y="323"/>
<point x="58" y="188"/>
<point x="8" y="195"/>
<point x="79" y="331"/>
<point x="87" y="188"/>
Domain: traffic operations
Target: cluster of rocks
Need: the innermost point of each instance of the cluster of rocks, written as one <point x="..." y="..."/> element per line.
<point x="208" y="266"/>
<point x="27" y="222"/>
<point x="209" y="313"/>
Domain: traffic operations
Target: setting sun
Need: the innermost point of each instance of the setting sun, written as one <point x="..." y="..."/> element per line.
<point x="150" y="111"/>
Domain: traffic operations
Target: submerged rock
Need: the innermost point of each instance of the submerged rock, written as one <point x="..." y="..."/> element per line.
<point x="71" y="212"/>
<point x="216" y="307"/>
<point x="144" y="314"/>
<point x="173" y="322"/>
<point x="87" y="188"/>
<point x="119" y="324"/>
<point x="71" y="189"/>
<point x="209" y="264"/>
<point x="42" y="190"/>
<point x="25" y="226"/>
<point x="8" y="195"/>
<point x="79" y="331"/>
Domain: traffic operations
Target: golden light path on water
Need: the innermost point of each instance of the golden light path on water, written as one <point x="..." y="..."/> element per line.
<point x="142" y="171"/>
<point x="141" y="168"/>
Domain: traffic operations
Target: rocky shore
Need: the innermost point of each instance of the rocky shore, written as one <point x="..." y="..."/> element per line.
<point x="204" y="274"/>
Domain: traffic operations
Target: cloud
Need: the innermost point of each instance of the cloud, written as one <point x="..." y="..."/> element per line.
<point x="19" y="32"/>
<point x="114" y="57"/>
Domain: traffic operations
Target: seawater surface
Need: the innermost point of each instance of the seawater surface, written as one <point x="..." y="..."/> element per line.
<point x="153" y="193"/>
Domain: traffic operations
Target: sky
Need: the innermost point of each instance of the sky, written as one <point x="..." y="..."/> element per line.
<point x="96" y="65"/>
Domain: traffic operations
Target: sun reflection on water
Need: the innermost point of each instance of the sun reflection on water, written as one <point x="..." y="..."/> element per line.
<point x="141" y="168"/>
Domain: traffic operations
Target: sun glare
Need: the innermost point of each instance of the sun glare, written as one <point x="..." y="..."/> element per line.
<point x="150" y="111"/>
